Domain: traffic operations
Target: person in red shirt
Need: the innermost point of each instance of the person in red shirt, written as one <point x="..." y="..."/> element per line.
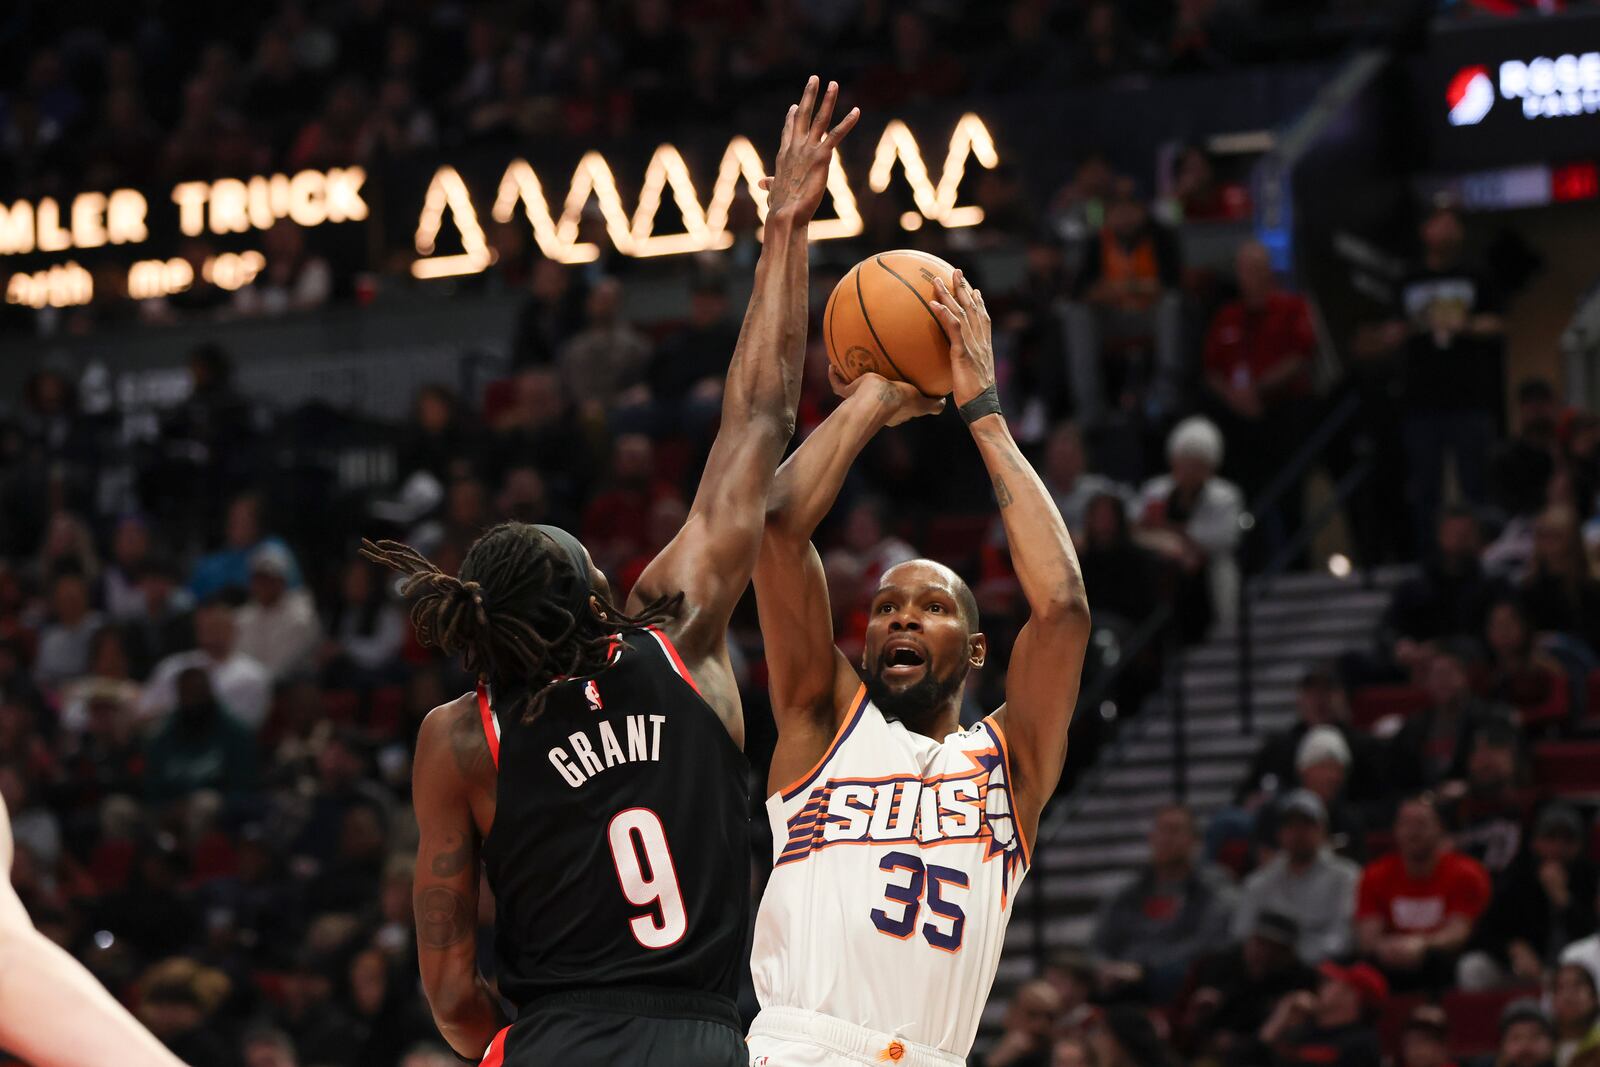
<point x="1417" y="906"/>
<point x="1258" y="356"/>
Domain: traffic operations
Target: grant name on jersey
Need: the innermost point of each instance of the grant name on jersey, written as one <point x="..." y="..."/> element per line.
<point x="598" y="748"/>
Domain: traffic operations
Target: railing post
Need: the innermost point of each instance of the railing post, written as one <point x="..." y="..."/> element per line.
<point x="1180" y="719"/>
<point x="1242" y="629"/>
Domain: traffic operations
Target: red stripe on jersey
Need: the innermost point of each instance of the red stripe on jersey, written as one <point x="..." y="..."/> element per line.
<point x="496" y="1056"/>
<point x="490" y="734"/>
<point x="677" y="660"/>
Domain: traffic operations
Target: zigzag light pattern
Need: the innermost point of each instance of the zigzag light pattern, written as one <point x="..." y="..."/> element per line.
<point x="704" y="229"/>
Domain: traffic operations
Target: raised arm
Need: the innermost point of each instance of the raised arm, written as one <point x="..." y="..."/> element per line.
<point x="53" y="1012"/>
<point x="1047" y="659"/>
<point x="711" y="558"/>
<point x="810" y="680"/>
<point x="444" y="891"/>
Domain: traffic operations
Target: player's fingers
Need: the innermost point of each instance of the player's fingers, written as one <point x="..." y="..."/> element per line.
<point x="765" y="184"/>
<point x="948" y="300"/>
<point x="947" y="319"/>
<point x="837" y="382"/>
<point x="788" y="131"/>
<point x="844" y="126"/>
<point x="808" y="101"/>
<point x="963" y="290"/>
<point x="824" y="115"/>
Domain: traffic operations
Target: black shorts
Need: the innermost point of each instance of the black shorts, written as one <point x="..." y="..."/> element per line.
<point x="632" y="1027"/>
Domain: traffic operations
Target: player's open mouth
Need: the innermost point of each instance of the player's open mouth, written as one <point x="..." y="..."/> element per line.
<point x="902" y="658"/>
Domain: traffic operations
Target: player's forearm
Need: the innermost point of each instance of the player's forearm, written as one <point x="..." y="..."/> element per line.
<point x="467" y="1013"/>
<point x="808" y="483"/>
<point x="1041" y="549"/>
<point x="54" y="1013"/>
<point x="763" y="385"/>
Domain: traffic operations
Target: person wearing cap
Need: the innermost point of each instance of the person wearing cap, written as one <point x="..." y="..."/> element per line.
<point x="164" y="622"/>
<point x="1174" y="911"/>
<point x="1425" y="1041"/>
<point x="241" y="683"/>
<point x="1527" y="1038"/>
<point x="1430" y="749"/>
<point x="1236" y="989"/>
<point x="227" y="570"/>
<point x="1333" y="1026"/>
<point x="1305" y="881"/>
<point x="1318" y="702"/>
<point x="278" y="626"/>
<point x="1489" y="820"/>
<point x="1543" y="902"/>
<point x="1323" y="765"/>
<point x="1416" y="907"/>
<point x="1575" y="1014"/>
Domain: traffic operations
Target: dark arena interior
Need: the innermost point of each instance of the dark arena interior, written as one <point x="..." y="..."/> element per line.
<point x="1294" y="312"/>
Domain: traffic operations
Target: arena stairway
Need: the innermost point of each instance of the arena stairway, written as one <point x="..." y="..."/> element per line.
<point x="1092" y="840"/>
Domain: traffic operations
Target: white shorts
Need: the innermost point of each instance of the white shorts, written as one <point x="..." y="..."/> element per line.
<point x="792" y="1037"/>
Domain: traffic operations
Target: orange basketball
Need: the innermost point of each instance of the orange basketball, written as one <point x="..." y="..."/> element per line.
<point x="878" y="321"/>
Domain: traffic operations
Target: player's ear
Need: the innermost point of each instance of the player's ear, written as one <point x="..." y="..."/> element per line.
<point x="597" y="607"/>
<point x="977" y="651"/>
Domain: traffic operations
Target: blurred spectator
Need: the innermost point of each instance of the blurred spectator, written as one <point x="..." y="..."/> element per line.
<point x="177" y="999"/>
<point x="1124" y="1036"/>
<point x="1425" y="1040"/>
<point x="120" y="595"/>
<point x="551" y="313"/>
<point x="514" y="112"/>
<point x="1522" y="676"/>
<point x="64" y="641"/>
<point x="1560" y="593"/>
<point x="1150" y="932"/>
<point x="1192" y="517"/>
<point x="1071" y="483"/>
<point x="321" y="1030"/>
<point x="365" y="630"/>
<point x="440" y="436"/>
<point x="1323" y="765"/>
<point x="1197" y="194"/>
<point x="109" y="672"/>
<point x="33" y="825"/>
<point x="199" y="746"/>
<point x="1575" y="1013"/>
<point x="1417" y="906"/>
<point x="228" y="569"/>
<point x="1544" y="901"/>
<point x="1025" y="1038"/>
<point x="265" y="1046"/>
<point x="1073" y="1051"/>
<point x="1522" y="467"/>
<point x="294" y="279"/>
<point x="867" y="549"/>
<point x="1586" y="951"/>
<point x="1527" y="1038"/>
<point x="1127" y="301"/>
<point x="1318" y="702"/>
<point x="105" y="756"/>
<point x="399" y="125"/>
<point x="617" y="520"/>
<point x="1451" y="596"/>
<point x="1123" y="573"/>
<point x="688" y="368"/>
<point x="602" y="364"/>
<point x="429" y="1055"/>
<point x="68" y="546"/>
<point x="336" y="136"/>
<point x="1305" y="882"/>
<point x="163" y="622"/>
<point x="1431" y="748"/>
<point x="1073" y="973"/>
<point x="277" y="626"/>
<point x="915" y="69"/>
<point x="242" y="684"/>
<point x="1031" y="56"/>
<point x="1486" y="822"/>
<point x="1259" y="352"/>
<point x="1335" y="1025"/>
<point x="1238" y="988"/>
<point x="1450" y="336"/>
<point x="1106" y="49"/>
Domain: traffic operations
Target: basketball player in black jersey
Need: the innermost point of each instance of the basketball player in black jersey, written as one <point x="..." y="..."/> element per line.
<point x="597" y="772"/>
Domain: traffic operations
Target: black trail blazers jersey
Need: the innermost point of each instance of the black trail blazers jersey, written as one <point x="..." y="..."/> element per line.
<point x="620" y="850"/>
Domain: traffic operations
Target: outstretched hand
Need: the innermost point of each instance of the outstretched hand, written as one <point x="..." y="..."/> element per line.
<point x="800" y="174"/>
<point x="902" y="401"/>
<point x="966" y="323"/>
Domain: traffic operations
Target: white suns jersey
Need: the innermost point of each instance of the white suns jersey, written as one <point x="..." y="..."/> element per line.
<point x="896" y="862"/>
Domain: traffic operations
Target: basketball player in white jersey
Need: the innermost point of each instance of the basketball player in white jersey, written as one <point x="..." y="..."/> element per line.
<point x="53" y="1012"/>
<point x="899" y="838"/>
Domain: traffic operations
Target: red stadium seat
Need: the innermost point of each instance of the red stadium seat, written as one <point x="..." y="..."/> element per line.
<point x="1570" y="768"/>
<point x="1475" y="1018"/>
<point x="1373" y="702"/>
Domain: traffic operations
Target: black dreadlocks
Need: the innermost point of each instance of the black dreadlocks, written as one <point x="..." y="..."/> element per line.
<point x="497" y="615"/>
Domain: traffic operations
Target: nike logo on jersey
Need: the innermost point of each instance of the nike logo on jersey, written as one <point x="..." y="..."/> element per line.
<point x="599" y="748"/>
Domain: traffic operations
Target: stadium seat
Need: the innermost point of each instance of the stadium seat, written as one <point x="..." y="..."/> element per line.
<point x="1475" y="1018"/>
<point x="1396" y="1010"/>
<point x="1568" y="768"/>
<point x="1373" y="702"/>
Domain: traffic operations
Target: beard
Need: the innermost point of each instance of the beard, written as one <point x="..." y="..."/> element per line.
<point x="918" y="704"/>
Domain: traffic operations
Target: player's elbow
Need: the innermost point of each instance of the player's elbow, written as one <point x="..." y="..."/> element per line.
<point x="456" y="1003"/>
<point x="1066" y="608"/>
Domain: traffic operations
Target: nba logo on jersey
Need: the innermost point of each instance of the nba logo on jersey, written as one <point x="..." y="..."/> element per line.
<point x="591" y="692"/>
